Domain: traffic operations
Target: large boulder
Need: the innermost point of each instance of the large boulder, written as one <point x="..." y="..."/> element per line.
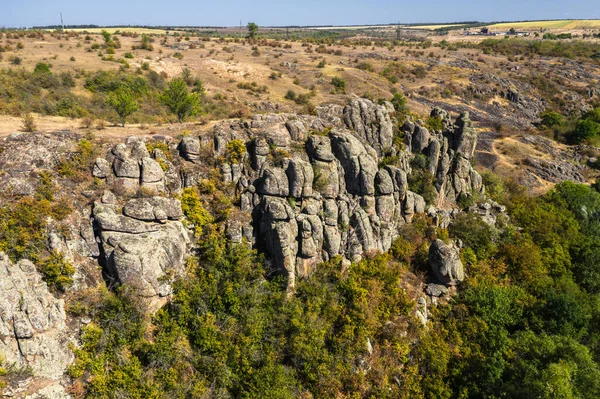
<point x="445" y="263"/>
<point x="300" y="175"/>
<point x="145" y="246"/>
<point x="360" y="166"/>
<point x="273" y="181"/>
<point x="190" y="148"/>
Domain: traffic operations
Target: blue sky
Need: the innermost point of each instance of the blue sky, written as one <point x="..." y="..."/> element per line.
<point x="23" y="13"/>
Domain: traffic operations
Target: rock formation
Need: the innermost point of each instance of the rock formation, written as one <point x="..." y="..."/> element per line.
<point x="315" y="187"/>
<point x="331" y="195"/>
<point x="445" y="263"/>
<point x="33" y="332"/>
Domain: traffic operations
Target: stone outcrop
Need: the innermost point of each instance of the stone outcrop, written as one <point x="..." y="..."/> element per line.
<point x="371" y="122"/>
<point x="449" y="153"/>
<point x="315" y="187"/>
<point x="145" y="244"/>
<point x="129" y="168"/>
<point x="329" y="195"/>
<point x="33" y="331"/>
<point x="445" y="263"/>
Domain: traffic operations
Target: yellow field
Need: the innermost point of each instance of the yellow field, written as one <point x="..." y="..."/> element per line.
<point x="126" y="29"/>
<point x="432" y="27"/>
<point x="561" y="24"/>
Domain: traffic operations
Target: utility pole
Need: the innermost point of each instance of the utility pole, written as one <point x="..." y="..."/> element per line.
<point x="61" y="22"/>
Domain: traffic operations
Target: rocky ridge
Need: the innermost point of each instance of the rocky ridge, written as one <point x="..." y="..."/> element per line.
<point x="312" y="187"/>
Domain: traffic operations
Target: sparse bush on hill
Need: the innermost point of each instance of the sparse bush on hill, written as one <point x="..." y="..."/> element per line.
<point x="339" y="84"/>
<point x="28" y="123"/>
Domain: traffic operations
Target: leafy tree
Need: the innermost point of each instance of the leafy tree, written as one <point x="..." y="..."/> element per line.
<point x="123" y="102"/>
<point x="252" y="30"/>
<point x="551" y="119"/>
<point x="106" y="35"/>
<point x="586" y="129"/>
<point x="179" y="100"/>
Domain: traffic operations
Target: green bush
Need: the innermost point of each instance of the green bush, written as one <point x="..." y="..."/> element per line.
<point x="194" y="211"/>
<point x="57" y="271"/>
<point x="339" y="84"/>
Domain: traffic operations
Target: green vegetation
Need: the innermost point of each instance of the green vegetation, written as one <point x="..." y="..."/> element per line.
<point x="572" y="130"/>
<point x="179" y="100"/>
<point x="523" y="324"/>
<point x="339" y="84"/>
<point x="420" y="180"/>
<point x="194" y="211"/>
<point x="59" y="94"/>
<point x="57" y="271"/>
<point x="23" y="228"/>
<point x="547" y="48"/>
<point x="252" y="30"/>
<point x="123" y="102"/>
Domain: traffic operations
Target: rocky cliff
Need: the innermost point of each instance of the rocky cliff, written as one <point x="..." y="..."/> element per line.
<point x="307" y="187"/>
<point x="316" y="187"/>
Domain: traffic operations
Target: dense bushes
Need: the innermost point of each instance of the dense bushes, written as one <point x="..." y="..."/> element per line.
<point x="548" y="48"/>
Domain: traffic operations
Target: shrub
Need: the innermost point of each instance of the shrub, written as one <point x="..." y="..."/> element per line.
<point x="551" y="119"/>
<point x="291" y="95"/>
<point x="419" y="71"/>
<point x="399" y="102"/>
<point x="194" y="211"/>
<point x="42" y="67"/>
<point x="321" y="64"/>
<point x="586" y="129"/>
<point x="28" y="123"/>
<point x="234" y="151"/>
<point x="57" y="271"/>
<point x="434" y="123"/>
<point x="339" y="84"/>
<point x="365" y="66"/>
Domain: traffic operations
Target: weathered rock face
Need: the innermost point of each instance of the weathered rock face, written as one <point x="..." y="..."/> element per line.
<point x="144" y="245"/>
<point x="328" y="196"/>
<point x="449" y="153"/>
<point x="371" y="123"/>
<point x="33" y="332"/>
<point x="444" y="261"/>
<point x="313" y="186"/>
<point x="129" y="168"/>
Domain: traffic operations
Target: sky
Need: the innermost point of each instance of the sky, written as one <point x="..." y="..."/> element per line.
<point x="26" y="13"/>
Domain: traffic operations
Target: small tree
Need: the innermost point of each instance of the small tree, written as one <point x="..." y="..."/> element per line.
<point x="252" y="30"/>
<point x="179" y="100"/>
<point x="123" y="102"/>
<point x="106" y="36"/>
